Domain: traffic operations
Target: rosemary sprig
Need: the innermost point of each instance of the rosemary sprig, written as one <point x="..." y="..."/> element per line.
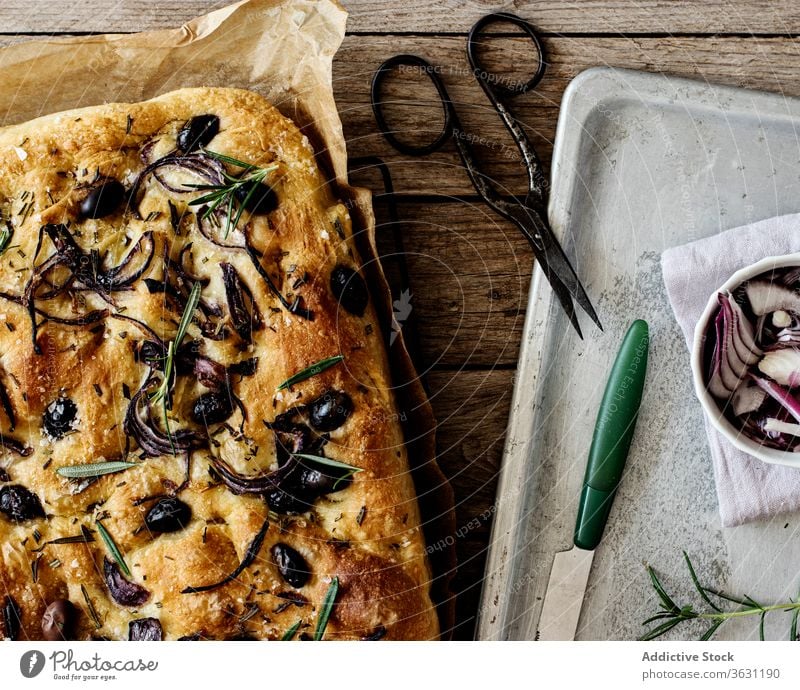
<point x="310" y="371"/>
<point x="290" y="633"/>
<point x="225" y="194"/>
<point x="161" y="394"/>
<point x="672" y="615"/>
<point x="94" y="469"/>
<point x="113" y="548"/>
<point x="326" y="609"/>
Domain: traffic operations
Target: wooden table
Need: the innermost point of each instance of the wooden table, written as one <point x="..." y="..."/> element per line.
<point x="468" y="271"/>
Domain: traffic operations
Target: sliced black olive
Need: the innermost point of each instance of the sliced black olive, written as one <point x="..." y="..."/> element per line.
<point x="123" y="591"/>
<point x="350" y="289"/>
<point x="257" y="197"/>
<point x="169" y="514"/>
<point x="145" y="630"/>
<point x="59" y="417"/>
<point x="19" y="504"/>
<point x="12" y="618"/>
<point x="4" y="476"/>
<point x="291" y="565"/>
<point x="57" y="620"/>
<point x="197" y="132"/>
<point x="330" y="410"/>
<point x="212" y="408"/>
<point x="103" y="199"/>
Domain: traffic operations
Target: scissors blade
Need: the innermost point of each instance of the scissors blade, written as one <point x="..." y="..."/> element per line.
<point x="553" y="259"/>
<point x="561" y="293"/>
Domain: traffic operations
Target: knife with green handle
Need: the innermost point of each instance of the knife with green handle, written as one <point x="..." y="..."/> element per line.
<point x="613" y="432"/>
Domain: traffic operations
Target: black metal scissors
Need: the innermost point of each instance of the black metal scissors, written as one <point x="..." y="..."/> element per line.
<point x="530" y="214"/>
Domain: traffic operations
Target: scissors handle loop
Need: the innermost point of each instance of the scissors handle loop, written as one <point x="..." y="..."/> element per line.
<point x="421" y="64"/>
<point x="491" y="81"/>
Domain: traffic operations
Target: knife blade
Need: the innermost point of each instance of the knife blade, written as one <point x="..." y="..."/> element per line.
<point x="613" y="432"/>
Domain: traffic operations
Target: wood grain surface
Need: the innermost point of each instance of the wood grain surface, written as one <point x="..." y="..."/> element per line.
<point x="468" y="271"/>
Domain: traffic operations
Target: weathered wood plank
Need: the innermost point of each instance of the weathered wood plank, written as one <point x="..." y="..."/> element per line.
<point x="587" y="16"/>
<point x="472" y="410"/>
<point x="469" y="276"/>
<point x="770" y="64"/>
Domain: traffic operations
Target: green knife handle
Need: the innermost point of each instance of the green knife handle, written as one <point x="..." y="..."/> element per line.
<point x="612" y="437"/>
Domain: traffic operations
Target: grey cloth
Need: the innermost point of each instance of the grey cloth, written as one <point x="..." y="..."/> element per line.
<point x="748" y="489"/>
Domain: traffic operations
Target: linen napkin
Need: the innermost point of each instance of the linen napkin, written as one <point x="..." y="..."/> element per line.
<point x="748" y="489"/>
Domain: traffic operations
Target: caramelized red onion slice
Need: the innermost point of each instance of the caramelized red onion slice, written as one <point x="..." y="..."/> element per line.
<point x="242" y="307"/>
<point x="254" y="484"/>
<point x="199" y="166"/>
<point x="123" y="591"/>
<point x="132" y="267"/>
<point x="142" y="427"/>
<point x="212" y="227"/>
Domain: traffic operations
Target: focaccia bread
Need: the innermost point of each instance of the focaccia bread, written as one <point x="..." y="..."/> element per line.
<point x="198" y="435"/>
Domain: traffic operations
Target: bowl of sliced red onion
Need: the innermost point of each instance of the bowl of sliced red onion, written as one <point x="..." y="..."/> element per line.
<point x="746" y="360"/>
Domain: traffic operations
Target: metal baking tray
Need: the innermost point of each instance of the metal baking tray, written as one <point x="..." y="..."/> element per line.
<point x="642" y="162"/>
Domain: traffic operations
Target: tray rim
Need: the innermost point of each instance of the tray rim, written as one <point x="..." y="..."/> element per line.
<point x="582" y="97"/>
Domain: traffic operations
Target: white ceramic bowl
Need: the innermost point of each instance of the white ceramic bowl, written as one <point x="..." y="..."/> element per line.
<point x="709" y="403"/>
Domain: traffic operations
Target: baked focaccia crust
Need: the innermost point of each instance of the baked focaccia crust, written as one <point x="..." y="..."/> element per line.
<point x="223" y="515"/>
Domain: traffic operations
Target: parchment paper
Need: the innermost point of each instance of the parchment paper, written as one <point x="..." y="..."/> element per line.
<point x="282" y="49"/>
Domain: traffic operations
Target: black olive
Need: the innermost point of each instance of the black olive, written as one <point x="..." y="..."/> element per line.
<point x="350" y="289"/>
<point x="212" y="408"/>
<point x="57" y="620"/>
<point x="19" y="504"/>
<point x="283" y="502"/>
<point x="12" y="618"/>
<point x="103" y="199"/>
<point x="262" y="198"/>
<point x="291" y="565"/>
<point x="319" y="480"/>
<point x="169" y="514"/>
<point x="330" y="410"/>
<point x="197" y="132"/>
<point x="59" y="417"/>
<point x="4" y="476"/>
<point x="145" y="630"/>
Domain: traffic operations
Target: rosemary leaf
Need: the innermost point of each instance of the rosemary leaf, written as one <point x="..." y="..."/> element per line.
<point x="697" y="584"/>
<point x="761" y="626"/>
<point x="5" y="238"/>
<point x="708" y="634"/>
<point x="90" y="608"/>
<point x="313" y="370"/>
<point x="95" y="469"/>
<point x="328" y="461"/>
<point x="113" y="548"/>
<point x="793" y="626"/>
<point x="326" y="609"/>
<point x="666" y="601"/>
<point x="290" y="633"/>
<point x="662" y="629"/>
